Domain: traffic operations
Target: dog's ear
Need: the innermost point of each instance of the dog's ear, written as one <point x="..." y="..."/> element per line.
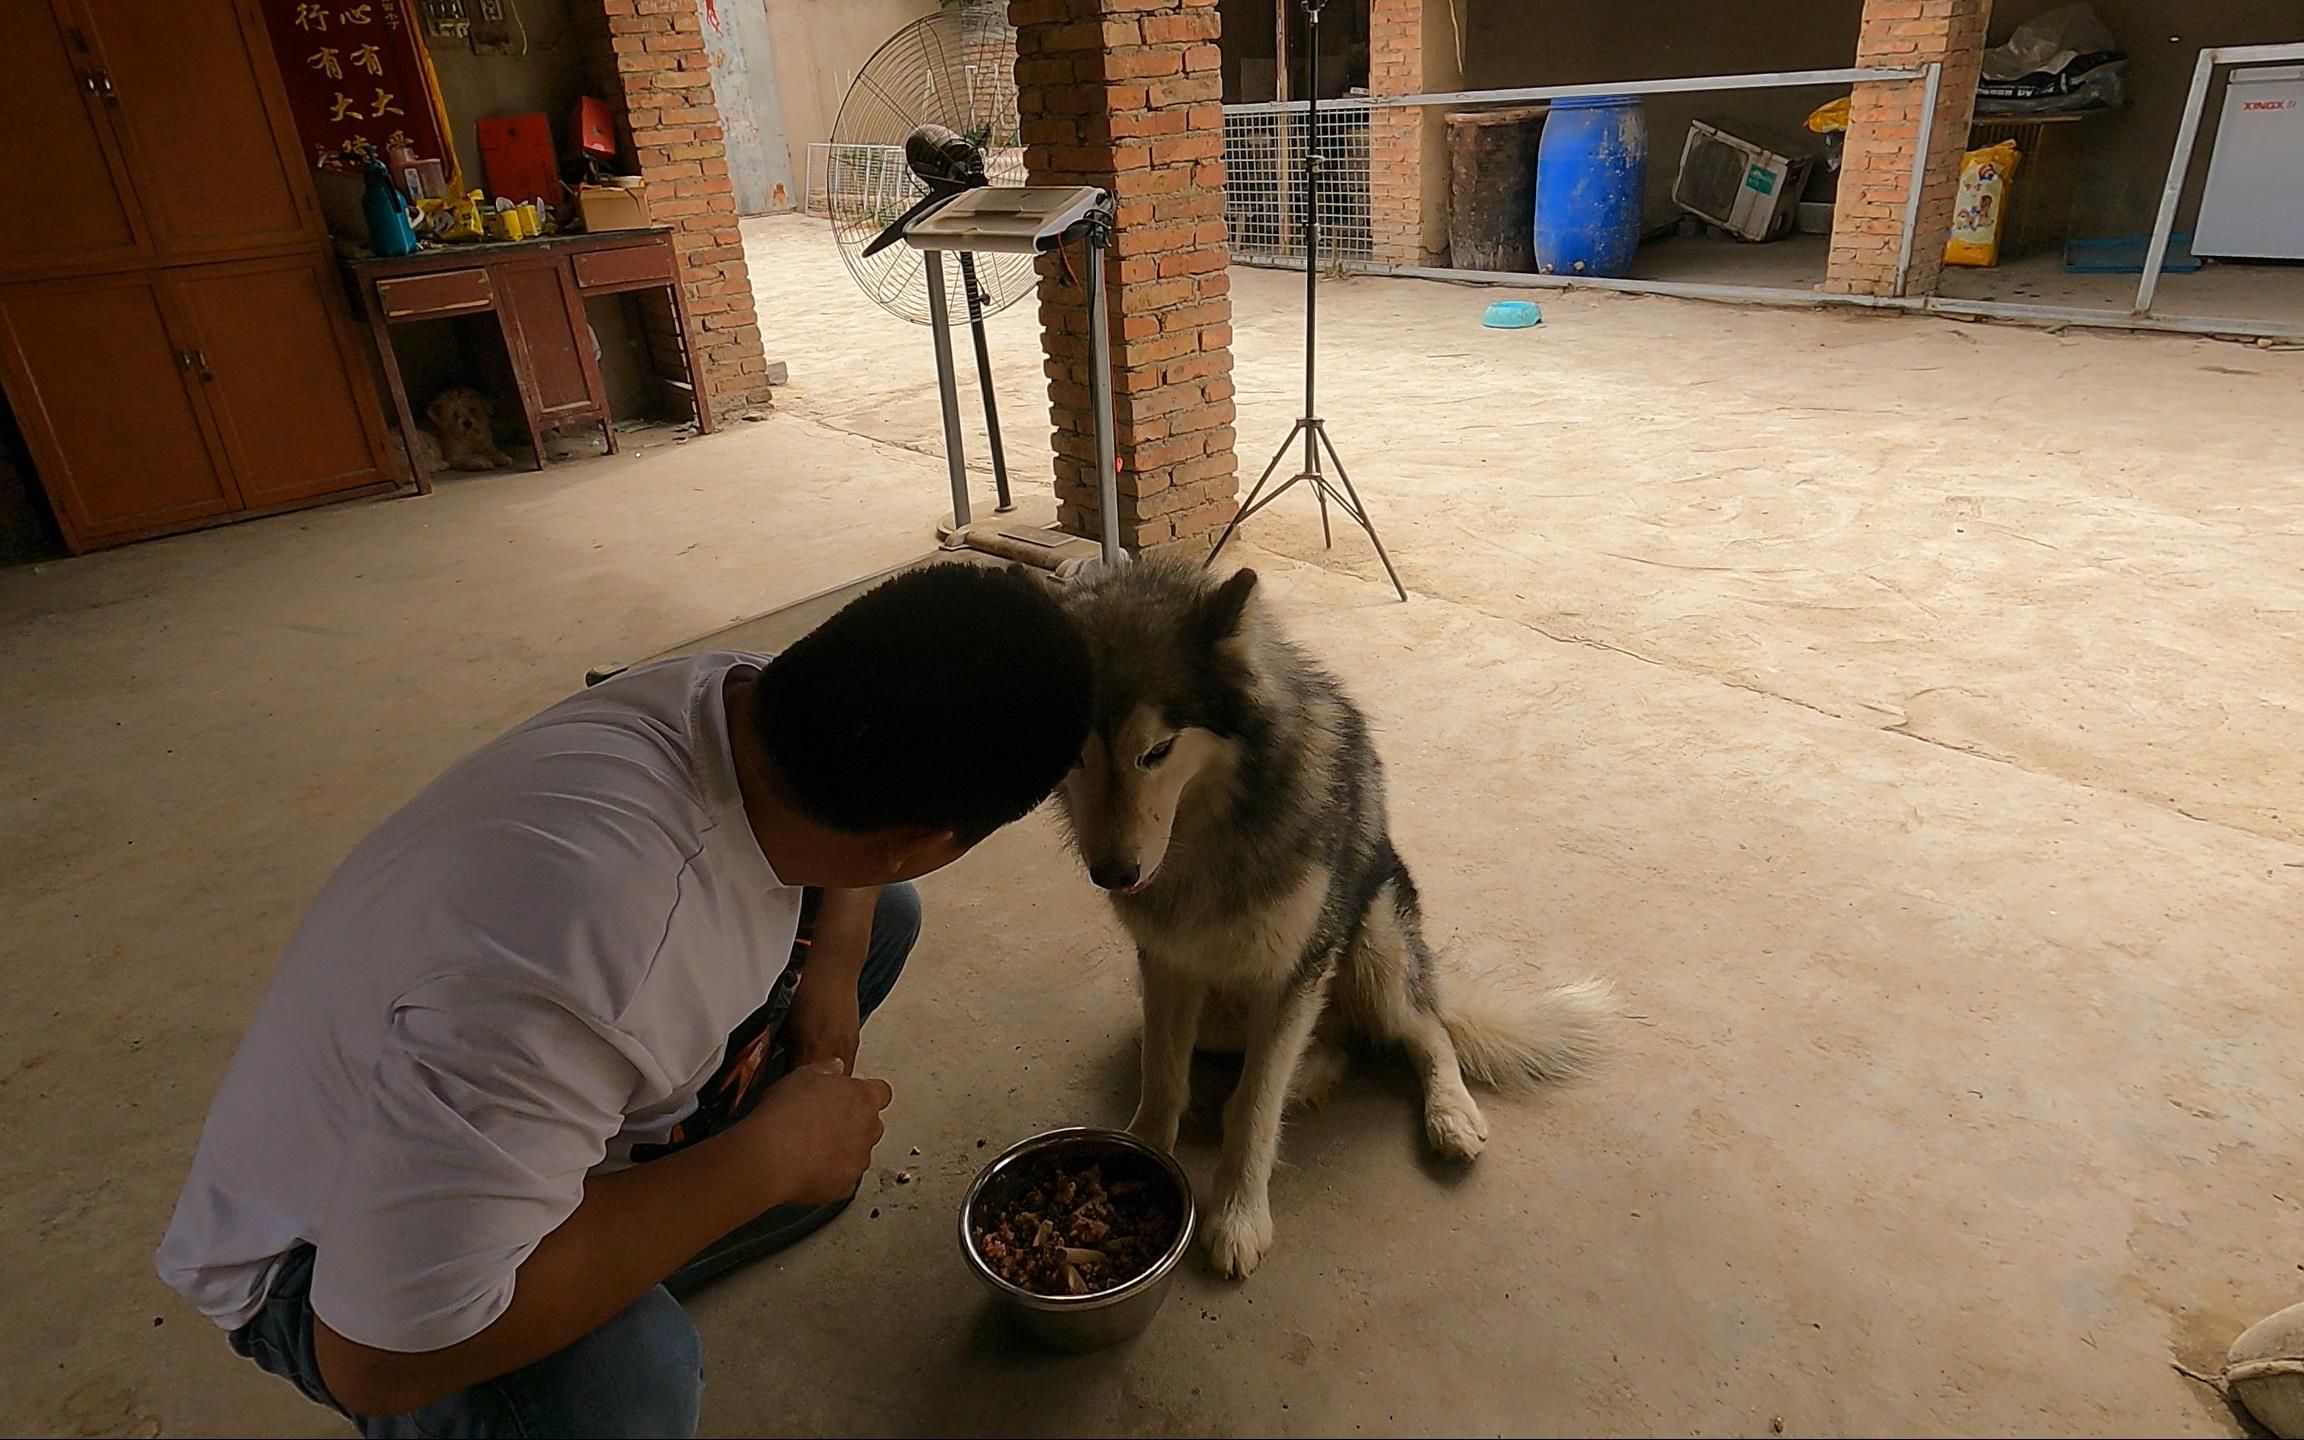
<point x="1222" y="608"/>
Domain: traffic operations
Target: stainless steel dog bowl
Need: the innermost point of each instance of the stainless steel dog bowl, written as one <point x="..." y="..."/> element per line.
<point x="1078" y="1322"/>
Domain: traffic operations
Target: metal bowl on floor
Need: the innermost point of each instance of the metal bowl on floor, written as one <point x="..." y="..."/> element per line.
<point x="1078" y="1322"/>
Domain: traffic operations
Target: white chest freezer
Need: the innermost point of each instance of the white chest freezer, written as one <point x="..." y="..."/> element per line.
<point x="2253" y="208"/>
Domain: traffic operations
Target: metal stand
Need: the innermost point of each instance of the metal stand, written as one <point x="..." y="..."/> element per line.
<point x="1309" y="425"/>
<point x="1029" y="220"/>
<point x="973" y="291"/>
<point x="939" y="321"/>
<point x="947" y="387"/>
<point x="1099" y="235"/>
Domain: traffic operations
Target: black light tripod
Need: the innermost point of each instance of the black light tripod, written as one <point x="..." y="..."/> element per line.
<point x="1309" y="424"/>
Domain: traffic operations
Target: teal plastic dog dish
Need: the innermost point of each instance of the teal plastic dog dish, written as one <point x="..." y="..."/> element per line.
<point x="1512" y="315"/>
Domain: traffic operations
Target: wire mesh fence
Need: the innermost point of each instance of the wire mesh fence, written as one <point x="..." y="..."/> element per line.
<point x="1264" y="192"/>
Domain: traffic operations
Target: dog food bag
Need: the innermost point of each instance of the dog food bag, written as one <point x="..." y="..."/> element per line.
<point x="1831" y="117"/>
<point x="1982" y="206"/>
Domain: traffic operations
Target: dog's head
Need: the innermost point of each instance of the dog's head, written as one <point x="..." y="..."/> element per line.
<point x="1173" y="655"/>
<point x="462" y="415"/>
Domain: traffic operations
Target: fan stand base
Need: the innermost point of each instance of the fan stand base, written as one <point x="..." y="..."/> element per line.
<point x="1039" y="547"/>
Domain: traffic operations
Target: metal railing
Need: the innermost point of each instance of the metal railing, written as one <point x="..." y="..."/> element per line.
<point x="1265" y="221"/>
<point x="2180" y="155"/>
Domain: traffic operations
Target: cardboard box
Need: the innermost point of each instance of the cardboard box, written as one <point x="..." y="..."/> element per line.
<point x="610" y="207"/>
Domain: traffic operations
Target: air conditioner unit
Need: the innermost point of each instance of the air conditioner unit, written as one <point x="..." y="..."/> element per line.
<point x="1746" y="187"/>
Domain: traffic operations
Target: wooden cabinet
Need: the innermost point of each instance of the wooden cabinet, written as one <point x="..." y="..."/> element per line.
<point x="71" y="205"/>
<point x="174" y="340"/>
<point x="155" y="400"/>
<point x="97" y="368"/>
<point x="281" y="377"/>
<point x="200" y="114"/>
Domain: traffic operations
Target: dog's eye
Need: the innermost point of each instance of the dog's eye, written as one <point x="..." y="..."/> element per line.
<point x="1157" y="753"/>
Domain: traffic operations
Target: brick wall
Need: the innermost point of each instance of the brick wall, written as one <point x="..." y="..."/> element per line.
<point x="1884" y="137"/>
<point x="1411" y="51"/>
<point x="646" y="57"/>
<point x="1396" y="137"/>
<point x="1126" y="95"/>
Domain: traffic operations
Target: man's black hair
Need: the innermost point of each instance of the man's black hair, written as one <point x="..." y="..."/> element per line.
<point x="954" y="697"/>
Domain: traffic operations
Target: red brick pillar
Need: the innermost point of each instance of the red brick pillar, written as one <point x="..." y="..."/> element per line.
<point x="1884" y="136"/>
<point x="654" y="54"/>
<point x="1126" y="95"/>
<point x="1410" y="52"/>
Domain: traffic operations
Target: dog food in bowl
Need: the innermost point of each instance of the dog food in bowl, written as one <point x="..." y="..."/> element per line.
<point x="1079" y="1227"/>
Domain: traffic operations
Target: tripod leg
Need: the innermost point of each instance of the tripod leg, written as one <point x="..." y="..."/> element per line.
<point x="975" y="294"/>
<point x="1360" y="513"/>
<point x="1319" y="489"/>
<point x="1251" y="505"/>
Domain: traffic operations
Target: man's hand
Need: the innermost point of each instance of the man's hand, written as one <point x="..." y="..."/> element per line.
<point x="825" y="1021"/>
<point x="815" y="1129"/>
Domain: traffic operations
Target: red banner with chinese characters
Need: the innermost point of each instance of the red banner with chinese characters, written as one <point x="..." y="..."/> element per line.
<point x="355" y="75"/>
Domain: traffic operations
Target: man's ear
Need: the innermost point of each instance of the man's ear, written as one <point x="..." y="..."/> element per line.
<point x="911" y="850"/>
<point x="1221" y="611"/>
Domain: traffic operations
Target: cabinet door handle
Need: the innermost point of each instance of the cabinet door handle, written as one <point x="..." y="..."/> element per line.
<point x="200" y="363"/>
<point x="184" y="360"/>
<point x="99" y="83"/>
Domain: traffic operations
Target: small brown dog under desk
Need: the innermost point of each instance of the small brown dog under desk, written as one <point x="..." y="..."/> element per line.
<point x="536" y="289"/>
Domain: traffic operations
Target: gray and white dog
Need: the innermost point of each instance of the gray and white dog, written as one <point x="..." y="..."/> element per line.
<point x="1231" y="804"/>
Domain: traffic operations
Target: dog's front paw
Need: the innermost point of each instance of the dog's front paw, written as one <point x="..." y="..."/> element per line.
<point x="1456" y="1128"/>
<point x="1238" y="1239"/>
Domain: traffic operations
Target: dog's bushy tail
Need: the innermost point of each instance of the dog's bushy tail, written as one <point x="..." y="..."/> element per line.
<point x="1511" y="1033"/>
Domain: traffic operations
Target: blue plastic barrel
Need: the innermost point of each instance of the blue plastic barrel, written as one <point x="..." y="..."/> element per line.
<point x="1591" y="169"/>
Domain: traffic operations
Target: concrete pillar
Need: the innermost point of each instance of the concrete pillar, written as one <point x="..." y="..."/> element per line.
<point x="1127" y="95"/>
<point x="647" y="57"/>
<point x="1412" y="50"/>
<point x="1884" y="136"/>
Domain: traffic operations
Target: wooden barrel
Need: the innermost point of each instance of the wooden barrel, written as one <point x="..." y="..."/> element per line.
<point x="1492" y="187"/>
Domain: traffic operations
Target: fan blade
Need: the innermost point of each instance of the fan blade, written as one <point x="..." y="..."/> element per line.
<point x="895" y="230"/>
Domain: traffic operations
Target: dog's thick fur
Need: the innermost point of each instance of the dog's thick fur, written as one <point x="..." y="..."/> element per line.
<point x="1232" y="805"/>
<point x="462" y="432"/>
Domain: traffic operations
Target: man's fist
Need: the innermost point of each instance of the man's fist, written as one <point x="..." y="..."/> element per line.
<point x="815" y="1130"/>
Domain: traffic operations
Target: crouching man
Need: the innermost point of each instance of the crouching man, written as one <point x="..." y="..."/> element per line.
<point x="576" y="1030"/>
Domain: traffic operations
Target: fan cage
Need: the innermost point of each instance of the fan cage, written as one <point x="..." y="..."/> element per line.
<point x="955" y="68"/>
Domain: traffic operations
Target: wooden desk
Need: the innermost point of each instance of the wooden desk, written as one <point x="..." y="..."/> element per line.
<point x="536" y="291"/>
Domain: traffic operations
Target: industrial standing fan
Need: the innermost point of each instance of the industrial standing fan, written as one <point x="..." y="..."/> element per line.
<point x="931" y="114"/>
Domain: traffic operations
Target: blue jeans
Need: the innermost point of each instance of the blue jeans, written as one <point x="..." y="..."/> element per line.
<point x="639" y="1374"/>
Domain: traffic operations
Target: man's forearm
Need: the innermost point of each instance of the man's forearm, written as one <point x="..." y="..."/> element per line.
<point x="843" y="933"/>
<point x="632" y="1229"/>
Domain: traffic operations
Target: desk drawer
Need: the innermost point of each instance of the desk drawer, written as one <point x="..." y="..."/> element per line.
<point x="445" y="293"/>
<point x="624" y="266"/>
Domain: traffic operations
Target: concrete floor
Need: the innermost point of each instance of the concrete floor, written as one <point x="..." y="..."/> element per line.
<point x="1918" y="759"/>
